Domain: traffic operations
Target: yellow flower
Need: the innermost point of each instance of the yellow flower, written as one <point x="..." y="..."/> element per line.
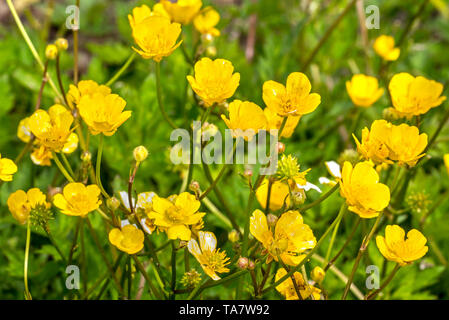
<point x="287" y="288"/>
<point x="78" y="199"/>
<point x="182" y="11"/>
<point x="415" y="96"/>
<point x="210" y="258"/>
<point x="373" y="146"/>
<point x="394" y="248"/>
<point x="318" y="274"/>
<point x="214" y="81"/>
<point x="206" y="20"/>
<point x="129" y="239"/>
<point x="406" y="144"/>
<point x="85" y="88"/>
<point x="41" y="156"/>
<point x="20" y="203"/>
<point x="24" y="131"/>
<point x="291" y="236"/>
<point x="7" y="169"/>
<point x="446" y="161"/>
<point x="52" y="128"/>
<point x="245" y="119"/>
<point x="364" y="90"/>
<point x="103" y="113"/>
<point x="274" y="122"/>
<point x="279" y="195"/>
<point x="176" y="216"/>
<point x="364" y="194"/>
<point x="384" y="47"/>
<point x="143" y="12"/>
<point x="294" y="99"/>
<point x="156" y="37"/>
<point x="71" y="144"/>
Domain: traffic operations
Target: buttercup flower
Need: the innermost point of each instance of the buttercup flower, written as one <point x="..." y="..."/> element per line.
<point x="20" y="203"/>
<point x="206" y="20"/>
<point x="78" y="199"/>
<point x="406" y="144"/>
<point x="287" y="288"/>
<point x="182" y="11"/>
<point x="274" y="122"/>
<point x="7" y="169"/>
<point x="103" y="113"/>
<point x="24" y="131"/>
<point x="280" y="194"/>
<point x="291" y="236"/>
<point x="245" y="119"/>
<point x="210" y="258"/>
<point x="360" y="187"/>
<point x="384" y="47"/>
<point x="85" y="88"/>
<point x="156" y="37"/>
<point x="52" y="128"/>
<point x="141" y="13"/>
<point x="415" y="96"/>
<point x="129" y="239"/>
<point x="294" y="99"/>
<point x="176" y="216"/>
<point x="373" y="146"/>
<point x="394" y="248"/>
<point x="364" y="90"/>
<point x="214" y="80"/>
<point x="41" y="156"/>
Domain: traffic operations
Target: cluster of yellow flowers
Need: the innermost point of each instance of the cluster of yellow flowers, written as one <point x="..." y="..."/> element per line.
<point x="280" y="233"/>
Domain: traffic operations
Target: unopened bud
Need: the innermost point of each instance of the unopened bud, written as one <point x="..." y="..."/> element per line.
<point x="280" y="147"/>
<point x="318" y="274"/>
<point x="242" y="263"/>
<point x="86" y="156"/>
<point x="207" y="38"/>
<point x="194" y="186"/>
<point x="248" y="173"/>
<point x="140" y="153"/>
<point x="251" y="265"/>
<point x="62" y="44"/>
<point x="211" y="52"/>
<point x="113" y="203"/>
<point x="233" y="236"/>
<point x="298" y="196"/>
<point x="350" y="155"/>
<point x="271" y="219"/>
<point x="51" y="51"/>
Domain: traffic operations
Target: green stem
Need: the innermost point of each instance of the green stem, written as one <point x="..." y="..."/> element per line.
<point x="98" y="166"/>
<point x="61" y="168"/>
<point x="159" y="96"/>
<point x="173" y="268"/>
<point x="122" y="69"/>
<point x="53" y="242"/>
<point x="321" y="199"/>
<point x="147" y="278"/>
<point x="25" y="265"/>
<point x="67" y="164"/>
<point x="331" y="244"/>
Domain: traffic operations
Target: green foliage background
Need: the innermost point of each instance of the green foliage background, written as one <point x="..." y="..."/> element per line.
<point x="285" y="38"/>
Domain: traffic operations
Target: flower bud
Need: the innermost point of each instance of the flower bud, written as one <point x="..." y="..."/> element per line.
<point x="194" y="186"/>
<point x="318" y="274"/>
<point x="113" y="203"/>
<point x="248" y="173"/>
<point x="211" y="51"/>
<point x="207" y="38"/>
<point x="251" y="265"/>
<point x="242" y="263"/>
<point x="51" y="51"/>
<point x="280" y="147"/>
<point x="350" y="155"/>
<point x="298" y="196"/>
<point x="271" y="219"/>
<point x="140" y="153"/>
<point x="233" y="236"/>
<point x="62" y="44"/>
<point x="86" y="156"/>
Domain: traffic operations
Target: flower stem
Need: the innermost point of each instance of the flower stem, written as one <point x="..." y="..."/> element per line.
<point x="98" y="166"/>
<point x="25" y="265"/>
<point x="321" y="199"/>
<point x="122" y="69"/>
<point x="159" y="96"/>
<point x="61" y="168"/>
<point x="139" y="266"/>
<point x="173" y="269"/>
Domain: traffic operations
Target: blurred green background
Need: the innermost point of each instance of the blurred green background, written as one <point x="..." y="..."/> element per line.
<point x="285" y="33"/>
